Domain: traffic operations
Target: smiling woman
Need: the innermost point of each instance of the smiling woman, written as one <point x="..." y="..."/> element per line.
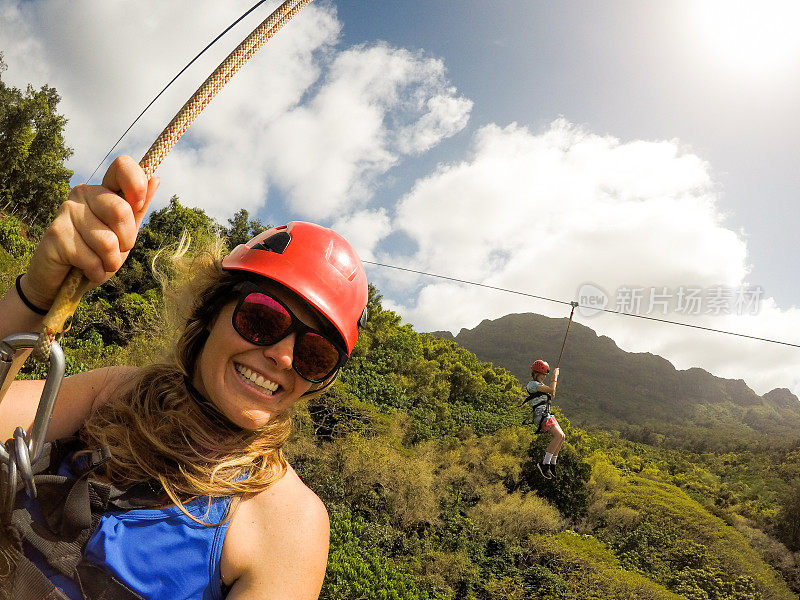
<point x="196" y="499"/>
<point x="757" y="38"/>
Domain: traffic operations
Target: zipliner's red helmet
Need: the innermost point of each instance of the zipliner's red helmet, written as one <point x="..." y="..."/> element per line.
<point x="540" y="366"/>
<point x="315" y="263"/>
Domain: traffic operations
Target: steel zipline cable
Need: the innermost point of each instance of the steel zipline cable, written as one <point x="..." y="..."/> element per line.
<point x="574" y="304"/>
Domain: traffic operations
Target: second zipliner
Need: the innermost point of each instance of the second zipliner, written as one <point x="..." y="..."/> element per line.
<point x="540" y="395"/>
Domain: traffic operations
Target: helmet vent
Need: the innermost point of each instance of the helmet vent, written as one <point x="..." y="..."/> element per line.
<point x="277" y="243"/>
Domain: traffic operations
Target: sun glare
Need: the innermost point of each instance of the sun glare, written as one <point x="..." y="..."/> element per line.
<point x="762" y="37"/>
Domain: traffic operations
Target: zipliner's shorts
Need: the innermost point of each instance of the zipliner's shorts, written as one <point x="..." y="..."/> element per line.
<point x="549" y="423"/>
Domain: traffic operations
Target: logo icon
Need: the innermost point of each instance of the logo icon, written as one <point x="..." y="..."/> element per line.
<point x="591" y="300"/>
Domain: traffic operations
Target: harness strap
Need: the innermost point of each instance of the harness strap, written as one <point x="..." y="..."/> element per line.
<point x="545" y="403"/>
<point x="31" y="584"/>
<point x="61" y="542"/>
<point x="71" y="509"/>
<point x="98" y="584"/>
<point x="94" y="582"/>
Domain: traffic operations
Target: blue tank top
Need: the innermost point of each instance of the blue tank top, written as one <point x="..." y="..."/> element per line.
<point x="160" y="553"/>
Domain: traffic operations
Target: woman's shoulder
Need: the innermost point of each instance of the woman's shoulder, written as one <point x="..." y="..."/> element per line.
<point x="287" y="496"/>
<point x="286" y="520"/>
<point x="102" y="383"/>
<point x="286" y="501"/>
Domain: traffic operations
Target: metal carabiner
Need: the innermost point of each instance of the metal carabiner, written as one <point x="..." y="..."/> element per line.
<point x="23" y="460"/>
<point x="8" y="477"/>
<point x="26" y="448"/>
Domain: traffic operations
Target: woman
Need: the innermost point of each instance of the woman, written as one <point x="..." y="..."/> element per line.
<point x="541" y="414"/>
<point x="203" y="432"/>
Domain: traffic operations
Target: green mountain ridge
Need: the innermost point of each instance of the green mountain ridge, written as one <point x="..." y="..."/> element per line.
<point x="641" y="394"/>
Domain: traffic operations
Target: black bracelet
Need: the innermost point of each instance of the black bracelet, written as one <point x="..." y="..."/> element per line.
<point x="25" y="301"/>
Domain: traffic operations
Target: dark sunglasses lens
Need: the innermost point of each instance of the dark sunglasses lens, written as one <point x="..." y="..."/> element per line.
<point x="315" y="357"/>
<point x="261" y="320"/>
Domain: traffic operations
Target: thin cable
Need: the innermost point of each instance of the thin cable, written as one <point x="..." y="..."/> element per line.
<point x="608" y="310"/>
<point x="491" y="287"/>
<point x="76" y="284"/>
<point x="189" y="64"/>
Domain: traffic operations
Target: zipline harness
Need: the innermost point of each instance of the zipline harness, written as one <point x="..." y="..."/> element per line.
<point x="541" y="409"/>
<point x="72" y="508"/>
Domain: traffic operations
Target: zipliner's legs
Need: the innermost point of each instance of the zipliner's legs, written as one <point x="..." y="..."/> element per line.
<point x="558" y="438"/>
<point x="548" y="464"/>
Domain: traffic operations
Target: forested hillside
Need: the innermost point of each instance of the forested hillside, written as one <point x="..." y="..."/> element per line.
<point x="426" y="462"/>
<point x="639" y="394"/>
<point x="423" y="456"/>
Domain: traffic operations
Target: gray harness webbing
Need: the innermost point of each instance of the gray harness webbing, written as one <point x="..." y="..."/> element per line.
<point x="71" y="509"/>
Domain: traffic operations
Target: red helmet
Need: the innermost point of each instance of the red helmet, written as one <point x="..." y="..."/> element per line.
<point x="317" y="264"/>
<point x="540" y="366"/>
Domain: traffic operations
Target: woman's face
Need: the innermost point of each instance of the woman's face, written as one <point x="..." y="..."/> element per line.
<point x="251" y="384"/>
<point x="538" y="376"/>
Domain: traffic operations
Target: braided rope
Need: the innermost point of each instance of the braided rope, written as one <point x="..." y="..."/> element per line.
<point x="221" y="75"/>
<point x="76" y="284"/>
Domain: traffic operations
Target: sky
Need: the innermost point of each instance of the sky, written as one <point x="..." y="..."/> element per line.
<point x="634" y="156"/>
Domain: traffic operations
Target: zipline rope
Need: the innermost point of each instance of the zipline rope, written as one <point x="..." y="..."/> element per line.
<point x="164" y="89"/>
<point x="75" y="285"/>
<point x="564" y="343"/>
<point x="608" y="310"/>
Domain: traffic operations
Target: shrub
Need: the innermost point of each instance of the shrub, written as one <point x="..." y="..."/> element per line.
<point x="11" y="239"/>
<point x="357" y="570"/>
<point x="513" y="516"/>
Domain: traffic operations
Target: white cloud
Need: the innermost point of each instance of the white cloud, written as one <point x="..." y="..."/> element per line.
<point x="544" y="214"/>
<point x="375" y="105"/>
<point x="302" y="117"/>
<point x="364" y="229"/>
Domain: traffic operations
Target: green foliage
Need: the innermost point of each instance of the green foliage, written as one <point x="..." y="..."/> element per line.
<point x="684" y="566"/>
<point x="676" y="542"/>
<point x="788" y="518"/>
<point x="586" y="569"/>
<point x="241" y="228"/>
<point x="33" y="179"/>
<point x="38" y="370"/>
<point x="513" y="516"/>
<point x="358" y="569"/>
<point x="569" y="491"/>
<point x="445" y="390"/>
<point x="12" y="240"/>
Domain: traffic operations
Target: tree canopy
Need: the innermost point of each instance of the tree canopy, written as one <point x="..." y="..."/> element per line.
<point x="33" y="178"/>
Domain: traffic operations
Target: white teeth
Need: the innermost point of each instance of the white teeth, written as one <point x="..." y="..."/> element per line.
<point x="257" y="379"/>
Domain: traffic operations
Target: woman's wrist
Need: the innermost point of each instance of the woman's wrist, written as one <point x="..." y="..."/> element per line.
<point x="28" y="298"/>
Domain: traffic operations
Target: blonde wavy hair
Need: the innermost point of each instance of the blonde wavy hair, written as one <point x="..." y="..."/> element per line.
<point x="157" y="431"/>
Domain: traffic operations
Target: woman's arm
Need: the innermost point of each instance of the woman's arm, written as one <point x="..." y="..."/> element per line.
<point x="79" y="395"/>
<point x="550" y="389"/>
<point x="94" y="230"/>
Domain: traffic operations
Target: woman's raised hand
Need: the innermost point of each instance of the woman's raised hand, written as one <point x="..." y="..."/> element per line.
<point x="94" y="230"/>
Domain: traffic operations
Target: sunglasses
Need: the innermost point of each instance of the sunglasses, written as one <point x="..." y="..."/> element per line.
<point x="263" y="320"/>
